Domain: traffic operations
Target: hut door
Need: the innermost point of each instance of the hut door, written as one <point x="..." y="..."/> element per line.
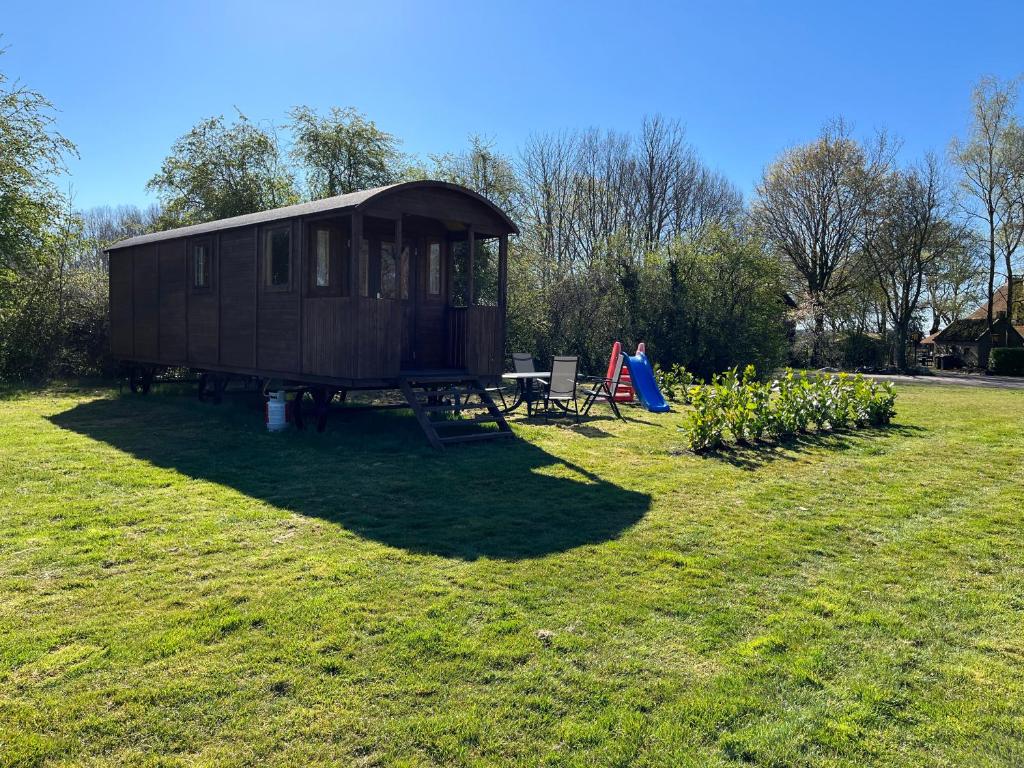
<point x="430" y="321"/>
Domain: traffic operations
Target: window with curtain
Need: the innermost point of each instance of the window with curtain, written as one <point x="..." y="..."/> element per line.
<point x="404" y="272"/>
<point x="388" y="271"/>
<point x="323" y="258"/>
<point x="200" y="266"/>
<point x="364" y="267"/>
<point x="434" y="269"/>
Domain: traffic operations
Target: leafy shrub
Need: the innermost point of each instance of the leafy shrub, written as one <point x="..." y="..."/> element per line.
<point x="675" y="382"/>
<point x="1007" y="361"/>
<point x="842" y="387"/>
<point x="743" y="400"/>
<point x="759" y="398"/>
<point x="788" y="406"/>
<point x="881" y="403"/>
<point x="706" y="424"/>
<point x="790" y="412"/>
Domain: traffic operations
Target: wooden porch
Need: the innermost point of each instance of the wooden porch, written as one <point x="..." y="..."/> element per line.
<point x="401" y="310"/>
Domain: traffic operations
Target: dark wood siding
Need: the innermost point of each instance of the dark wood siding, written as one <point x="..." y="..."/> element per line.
<point x="238" y="298"/>
<point x="352" y="337"/>
<point x="173" y="347"/>
<point x="328" y="337"/>
<point x="146" y="287"/>
<point x="484" y="354"/>
<point x="277" y="348"/>
<point x="203" y="314"/>
<point x="431" y="327"/>
<point x="279" y="331"/>
<point x="121" y="302"/>
<point x="234" y="321"/>
<point x="379" y="338"/>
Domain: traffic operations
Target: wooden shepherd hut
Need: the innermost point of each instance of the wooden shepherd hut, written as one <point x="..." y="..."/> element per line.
<point x="399" y="287"/>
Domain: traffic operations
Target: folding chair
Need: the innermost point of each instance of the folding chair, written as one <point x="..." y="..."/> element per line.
<point x="561" y="387"/>
<point x="605" y="389"/>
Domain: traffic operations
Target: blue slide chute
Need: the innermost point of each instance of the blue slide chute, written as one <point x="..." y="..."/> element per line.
<point x="644" y="385"/>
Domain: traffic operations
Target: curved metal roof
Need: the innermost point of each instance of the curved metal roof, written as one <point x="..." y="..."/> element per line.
<point x="350" y="201"/>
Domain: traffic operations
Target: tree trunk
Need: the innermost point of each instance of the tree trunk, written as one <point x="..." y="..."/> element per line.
<point x="991" y="265"/>
<point x="818" y="342"/>
<point x="983" y="350"/>
<point x="901" y="346"/>
<point x="1009" y="288"/>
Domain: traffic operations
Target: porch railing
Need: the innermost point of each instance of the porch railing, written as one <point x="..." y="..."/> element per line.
<point x="458" y="321"/>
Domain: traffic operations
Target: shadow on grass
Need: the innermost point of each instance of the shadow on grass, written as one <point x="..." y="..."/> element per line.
<point x="752" y="457"/>
<point x="373" y="473"/>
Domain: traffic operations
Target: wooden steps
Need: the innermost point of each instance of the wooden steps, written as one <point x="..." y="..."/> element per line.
<point x="450" y="398"/>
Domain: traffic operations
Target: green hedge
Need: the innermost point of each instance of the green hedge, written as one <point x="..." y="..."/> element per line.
<point x="752" y="411"/>
<point x="1007" y="361"/>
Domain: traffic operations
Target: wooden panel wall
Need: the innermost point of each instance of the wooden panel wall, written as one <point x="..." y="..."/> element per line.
<point x="378" y="337"/>
<point x="121" y="316"/>
<point x="328" y="337"/>
<point x="173" y="340"/>
<point x="278" y="331"/>
<point x="484" y="354"/>
<point x="431" y="334"/>
<point x="238" y="298"/>
<point x="239" y="323"/>
<point x="352" y="337"/>
<point x="455" y="337"/>
<point x="204" y="315"/>
<point x="146" y="288"/>
<point x="277" y="346"/>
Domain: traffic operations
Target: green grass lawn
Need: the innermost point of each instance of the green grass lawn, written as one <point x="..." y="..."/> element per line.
<point x="178" y="587"/>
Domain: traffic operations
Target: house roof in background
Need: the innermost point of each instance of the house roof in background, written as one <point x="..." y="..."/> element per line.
<point x="999" y="302"/>
<point x="970" y="330"/>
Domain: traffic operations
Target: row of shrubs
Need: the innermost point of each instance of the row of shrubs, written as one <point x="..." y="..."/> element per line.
<point x="749" y="410"/>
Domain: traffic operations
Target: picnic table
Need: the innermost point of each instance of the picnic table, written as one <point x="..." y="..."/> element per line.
<point x="524" y="387"/>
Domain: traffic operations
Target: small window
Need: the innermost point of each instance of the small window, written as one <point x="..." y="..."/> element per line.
<point x="404" y="273"/>
<point x="323" y="258"/>
<point x="364" y="267"/>
<point x="201" y="266"/>
<point x="388" y="271"/>
<point x="434" y="267"/>
<point x="277" y="256"/>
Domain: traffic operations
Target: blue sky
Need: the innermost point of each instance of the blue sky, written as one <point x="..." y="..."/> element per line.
<point x="747" y="79"/>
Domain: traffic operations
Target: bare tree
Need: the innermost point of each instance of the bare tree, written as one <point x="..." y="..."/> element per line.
<point x="991" y="161"/>
<point x="811" y="207"/>
<point x="545" y="168"/>
<point x="955" y="281"/>
<point x="594" y="194"/>
<point x="910" y="229"/>
<point x="601" y="212"/>
<point x="678" y="193"/>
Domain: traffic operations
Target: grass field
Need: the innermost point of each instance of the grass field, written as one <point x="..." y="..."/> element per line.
<point x="178" y="587"/>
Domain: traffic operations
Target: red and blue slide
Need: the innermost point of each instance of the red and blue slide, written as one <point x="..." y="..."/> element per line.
<point x="642" y="376"/>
